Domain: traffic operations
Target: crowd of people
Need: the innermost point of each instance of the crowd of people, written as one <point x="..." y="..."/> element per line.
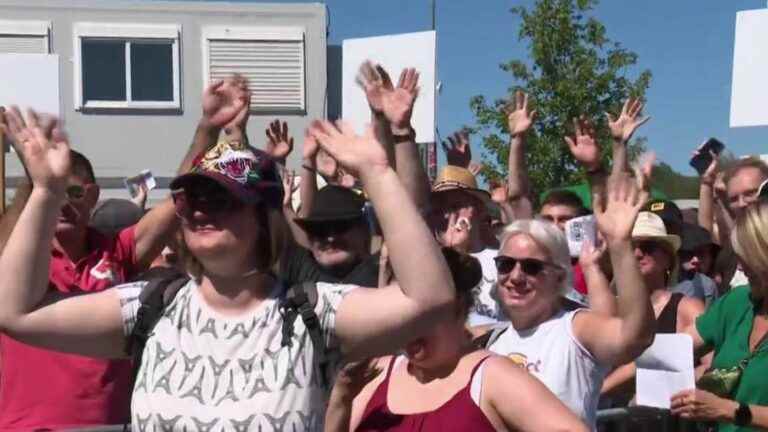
<point x="382" y="301"/>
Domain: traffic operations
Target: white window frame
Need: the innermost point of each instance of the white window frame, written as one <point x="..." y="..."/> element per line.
<point x="128" y="33"/>
<point x="237" y="33"/>
<point x="28" y="28"/>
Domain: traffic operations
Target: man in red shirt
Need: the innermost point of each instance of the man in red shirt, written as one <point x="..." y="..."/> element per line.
<point x="41" y="389"/>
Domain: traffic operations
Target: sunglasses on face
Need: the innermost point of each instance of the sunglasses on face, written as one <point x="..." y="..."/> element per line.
<point x="331" y="229"/>
<point x="647" y="247"/>
<point x="205" y="197"/>
<point x="75" y="192"/>
<point x="529" y="266"/>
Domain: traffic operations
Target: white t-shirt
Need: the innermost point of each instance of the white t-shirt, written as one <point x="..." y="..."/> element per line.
<point x="486" y="309"/>
<point x="204" y="371"/>
<point x="553" y="355"/>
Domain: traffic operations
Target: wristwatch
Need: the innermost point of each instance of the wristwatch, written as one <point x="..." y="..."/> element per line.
<point x="743" y="415"/>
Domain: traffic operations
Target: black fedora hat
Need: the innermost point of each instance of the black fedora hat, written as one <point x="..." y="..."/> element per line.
<point x="334" y="204"/>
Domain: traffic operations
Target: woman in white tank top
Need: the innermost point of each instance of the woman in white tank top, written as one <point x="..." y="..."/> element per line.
<point x="570" y="352"/>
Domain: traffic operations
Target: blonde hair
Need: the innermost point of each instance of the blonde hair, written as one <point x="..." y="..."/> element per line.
<point x="548" y="236"/>
<point x="749" y="237"/>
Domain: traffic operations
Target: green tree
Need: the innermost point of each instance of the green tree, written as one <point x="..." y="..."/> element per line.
<point x="574" y="69"/>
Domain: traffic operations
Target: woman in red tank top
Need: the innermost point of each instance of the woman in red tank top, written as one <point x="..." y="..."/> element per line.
<point x="443" y="383"/>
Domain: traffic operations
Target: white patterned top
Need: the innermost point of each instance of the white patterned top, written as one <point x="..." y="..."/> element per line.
<point x="202" y="371"/>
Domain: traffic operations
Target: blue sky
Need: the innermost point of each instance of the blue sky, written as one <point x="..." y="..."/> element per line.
<point x="687" y="45"/>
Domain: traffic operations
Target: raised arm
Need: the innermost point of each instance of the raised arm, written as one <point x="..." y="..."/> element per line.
<point x="374" y="322"/>
<point x="225" y="104"/>
<point x="707" y="194"/>
<point x="11" y="126"/>
<point x="519" y="121"/>
<point x="585" y="149"/>
<point x="601" y="298"/>
<point x="617" y="340"/>
<point x="622" y="128"/>
<point x="391" y="109"/>
<point x="89" y="326"/>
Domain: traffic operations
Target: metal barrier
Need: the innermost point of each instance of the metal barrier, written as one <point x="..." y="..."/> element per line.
<point x="631" y="419"/>
<point x="643" y="419"/>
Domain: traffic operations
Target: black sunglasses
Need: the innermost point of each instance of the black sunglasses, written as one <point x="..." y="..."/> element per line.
<point x="647" y="247"/>
<point x="530" y="266"/>
<point x="207" y="197"/>
<point x="329" y="229"/>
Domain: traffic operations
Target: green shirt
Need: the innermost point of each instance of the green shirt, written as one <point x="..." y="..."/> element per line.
<point x="726" y="326"/>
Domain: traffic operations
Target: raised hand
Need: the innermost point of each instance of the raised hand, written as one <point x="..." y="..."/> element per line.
<point x="279" y="142"/>
<point x="43" y="147"/>
<point x="499" y="191"/>
<point x="326" y="165"/>
<point x="583" y="145"/>
<point x="457" y="149"/>
<point x="475" y="168"/>
<point x="359" y="155"/>
<point x="519" y="117"/>
<point x="710" y="174"/>
<point x="643" y="170"/>
<point x="310" y="150"/>
<point x="616" y="214"/>
<point x="591" y="254"/>
<point x="141" y="196"/>
<point x="628" y="121"/>
<point x="395" y="103"/>
<point x="223" y="100"/>
<point x="289" y="187"/>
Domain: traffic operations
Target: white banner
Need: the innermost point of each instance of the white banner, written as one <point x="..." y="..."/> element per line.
<point x="394" y="53"/>
<point x="749" y="90"/>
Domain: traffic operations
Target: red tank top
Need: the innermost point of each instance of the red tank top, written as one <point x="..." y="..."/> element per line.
<point x="460" y="413"/>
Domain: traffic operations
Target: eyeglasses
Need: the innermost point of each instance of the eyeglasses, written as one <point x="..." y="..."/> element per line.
<point x="330" y="229"/>
<point x="647" y="247"/>
<point x="206" y="197"/>
<point x="530" y="266"/>
<point x="75" y="192"/>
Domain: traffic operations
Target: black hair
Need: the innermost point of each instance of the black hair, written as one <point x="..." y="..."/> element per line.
<point x="466" y="273"/>
<point x="81" y="167"/>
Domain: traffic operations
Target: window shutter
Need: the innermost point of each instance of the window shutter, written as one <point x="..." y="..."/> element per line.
<point x="274" y="69"/>
<point x="22" y="44"/>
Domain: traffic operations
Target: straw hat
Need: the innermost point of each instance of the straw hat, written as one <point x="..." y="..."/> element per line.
<point x="649" y="226"/>
<point x="452" y="178"/>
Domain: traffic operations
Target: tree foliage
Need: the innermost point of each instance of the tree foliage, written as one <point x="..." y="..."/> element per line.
<point x="573" y="69"/>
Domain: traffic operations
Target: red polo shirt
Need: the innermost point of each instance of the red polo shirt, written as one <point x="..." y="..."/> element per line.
<point x="41" y="389"/>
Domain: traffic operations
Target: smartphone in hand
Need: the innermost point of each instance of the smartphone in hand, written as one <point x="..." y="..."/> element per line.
<point x="578" y="230"/>
<point x="703" y="159"/>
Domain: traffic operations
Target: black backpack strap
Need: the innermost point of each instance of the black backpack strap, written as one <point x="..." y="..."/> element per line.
<point x="487" y="339"/>
<point x="300" y="300"/>
<point x="160" y="290"/>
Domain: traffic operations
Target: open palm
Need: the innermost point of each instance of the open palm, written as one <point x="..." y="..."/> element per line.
<point x="457" y="150"/>
<point x="357" y="154"/>
<point x="279" y="142"/>
<point x="223" y="100"/>
<point x="44" y="148"/>
<point x="519" y="117"/>
<point x="623" y="127"/>
<point x="583" y="145"/>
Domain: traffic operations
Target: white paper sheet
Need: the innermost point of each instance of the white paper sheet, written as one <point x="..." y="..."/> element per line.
<point x="664" y="369"/>
<point x="30" y="80"/>
<point x="394" y="53"/>
<point x="750" y="69"/>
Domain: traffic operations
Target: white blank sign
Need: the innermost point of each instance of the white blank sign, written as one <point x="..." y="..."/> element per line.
<point x="394" y="53"/>
<point x="750" y="69"/>
<point x="30" y="81"/>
